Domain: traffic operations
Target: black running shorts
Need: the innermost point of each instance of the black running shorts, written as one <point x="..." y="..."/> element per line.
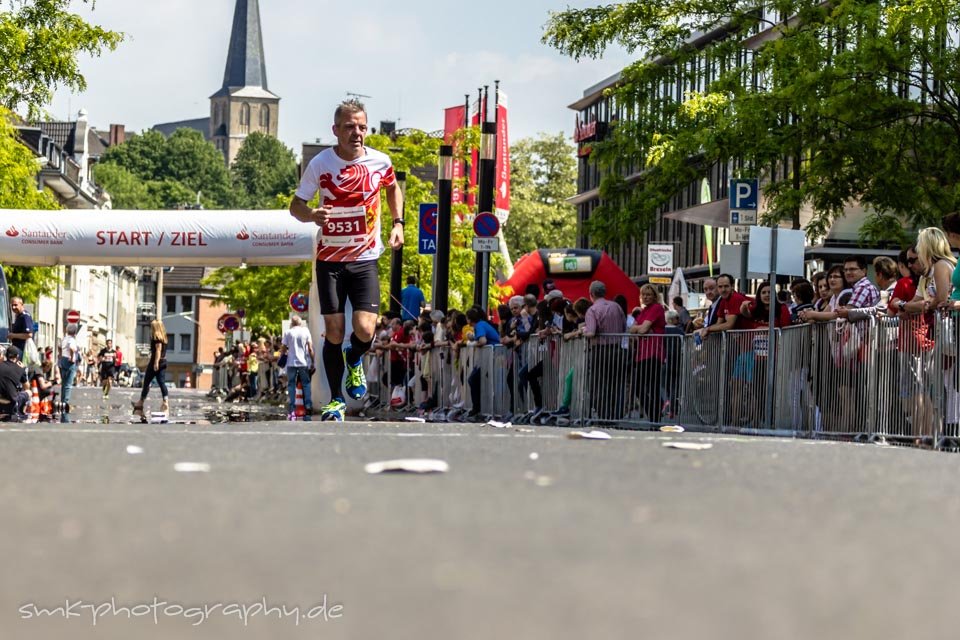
<point x="358" y="281"/>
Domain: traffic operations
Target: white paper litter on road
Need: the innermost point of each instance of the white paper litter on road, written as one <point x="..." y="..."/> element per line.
<point x="192" y="467"/>
<point x="589" y="435"/>
<point x="415" y="419"/>
<point x="133" y="449"/>
<point x="671" y="428"/>
<point x="522" y="430"/>
<point x="498" y="425"/>
<point x="534" y="456"/>
<point x="688" y="446"/>
<point x="408" y="465"/>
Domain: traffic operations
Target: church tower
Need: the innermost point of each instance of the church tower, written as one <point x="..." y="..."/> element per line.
<point x="243" y="104"/>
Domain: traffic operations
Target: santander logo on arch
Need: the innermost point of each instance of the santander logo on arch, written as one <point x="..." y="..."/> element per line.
<point x="243" y="235"/>
<point x="12" y="232"/>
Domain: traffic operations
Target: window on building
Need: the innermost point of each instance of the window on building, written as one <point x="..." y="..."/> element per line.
<point x="171" y="304"/>
<point x="186" y="342"/>
<point x="265" y="117"/>
<point x="186" y="304"/>
<point x="245" y="118"/>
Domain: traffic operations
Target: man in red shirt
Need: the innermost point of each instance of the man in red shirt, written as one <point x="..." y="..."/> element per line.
<point x="728" y="309"/>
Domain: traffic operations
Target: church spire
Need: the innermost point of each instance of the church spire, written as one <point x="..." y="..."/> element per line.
<point x="246" y="66"/>
<point x="244" y="104"/>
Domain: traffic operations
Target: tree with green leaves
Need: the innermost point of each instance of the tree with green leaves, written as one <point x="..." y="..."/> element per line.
<point x="262" y="292"/>
<point x="172" y="171"/>
<point x="846" y="102"/>
<point x="40" y="41"/>
<point x="18" y="190"/>
<point x="264" y="167"/>
<point x="543" y="174"/>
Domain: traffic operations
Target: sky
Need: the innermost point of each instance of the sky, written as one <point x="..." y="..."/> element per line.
<point x="413" y="58"/>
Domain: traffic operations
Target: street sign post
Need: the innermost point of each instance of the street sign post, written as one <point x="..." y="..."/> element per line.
<point x="299" y="301"/>
<point x="486" y="245"/>
<point x="740" y="232"/>
<point x="73" y="316"/>
<point x="228" y="323"/>
<point x="744" y="203"/>
<point x="486" y="225"/>
<point x="427" y="244"/>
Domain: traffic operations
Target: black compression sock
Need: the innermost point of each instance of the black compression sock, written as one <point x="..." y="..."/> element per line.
<point x="356" y="349"/>
<point x="333" y="367"/>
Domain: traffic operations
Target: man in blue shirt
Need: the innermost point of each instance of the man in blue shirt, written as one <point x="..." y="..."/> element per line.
<point x="411" y="300"/>
<point x="22" y="328"/>
<point x="484" y="335"/>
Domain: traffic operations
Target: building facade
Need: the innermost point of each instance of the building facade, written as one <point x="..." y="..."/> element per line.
<point x="105" y="296"/>
<point x="684" y="220"/>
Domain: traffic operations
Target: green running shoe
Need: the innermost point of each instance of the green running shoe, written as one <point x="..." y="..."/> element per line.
<point x="356" y="380"/>
<point x="333" y="410"/>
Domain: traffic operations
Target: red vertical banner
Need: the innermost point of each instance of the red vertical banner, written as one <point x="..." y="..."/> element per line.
<point x="474" y="163"/>
<point x="502" y="185"/>
<point x="453" y="118"/>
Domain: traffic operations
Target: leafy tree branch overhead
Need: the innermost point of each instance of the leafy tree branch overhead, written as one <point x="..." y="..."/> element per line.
<point x="846" y="102"/>
<point x="40" y="41"/>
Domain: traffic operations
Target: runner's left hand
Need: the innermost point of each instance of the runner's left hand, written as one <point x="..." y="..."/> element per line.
<point x="396" y="236"/>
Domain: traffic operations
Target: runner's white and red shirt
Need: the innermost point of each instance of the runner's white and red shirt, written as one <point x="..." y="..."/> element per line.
<point x="352" y="188"/>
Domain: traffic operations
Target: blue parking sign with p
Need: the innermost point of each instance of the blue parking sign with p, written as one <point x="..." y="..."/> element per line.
<point x="427" y="244"/>
<point x="744" y="193"/>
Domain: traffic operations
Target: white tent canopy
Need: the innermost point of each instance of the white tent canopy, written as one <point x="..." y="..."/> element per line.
<point x="144" y="238"/>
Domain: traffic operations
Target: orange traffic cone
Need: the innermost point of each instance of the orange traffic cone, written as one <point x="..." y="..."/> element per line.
<point x="298" y="408"/>
<point x="46" y="407"/>
<point x="34" y="412"/>
<point x="186" y="382"/>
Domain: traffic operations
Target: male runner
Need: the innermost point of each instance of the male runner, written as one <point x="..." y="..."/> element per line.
<point x="107" y="359"/>
<point x="349" y="177"/>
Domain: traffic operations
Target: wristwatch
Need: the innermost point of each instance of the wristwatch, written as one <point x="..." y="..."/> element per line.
<point x="399" y="221"/>
<point x="901" y="305"/>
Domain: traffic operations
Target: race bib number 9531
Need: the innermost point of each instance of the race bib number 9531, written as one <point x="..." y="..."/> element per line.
<point x="345" y="227"/>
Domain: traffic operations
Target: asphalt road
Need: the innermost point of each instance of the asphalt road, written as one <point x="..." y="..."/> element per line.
<point x="753" y="538"/>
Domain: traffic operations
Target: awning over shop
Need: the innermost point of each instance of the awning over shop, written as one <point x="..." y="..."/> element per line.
<point x="715" y="214"/>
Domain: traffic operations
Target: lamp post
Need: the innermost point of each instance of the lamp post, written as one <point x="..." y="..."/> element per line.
<point x="444" y="207"/>
<point x="485" y="201"/>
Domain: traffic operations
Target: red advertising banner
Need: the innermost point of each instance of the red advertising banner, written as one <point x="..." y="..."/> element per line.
<point x="453" y="118"/>
<point x="502" y="185"/>
<point x="474" y="160"/>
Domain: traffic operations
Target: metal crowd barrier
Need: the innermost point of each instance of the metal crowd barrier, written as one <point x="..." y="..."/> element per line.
<point x="886" y="378"/>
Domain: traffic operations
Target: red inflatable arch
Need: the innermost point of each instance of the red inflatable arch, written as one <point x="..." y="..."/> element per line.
<point x="572" y="270"/>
